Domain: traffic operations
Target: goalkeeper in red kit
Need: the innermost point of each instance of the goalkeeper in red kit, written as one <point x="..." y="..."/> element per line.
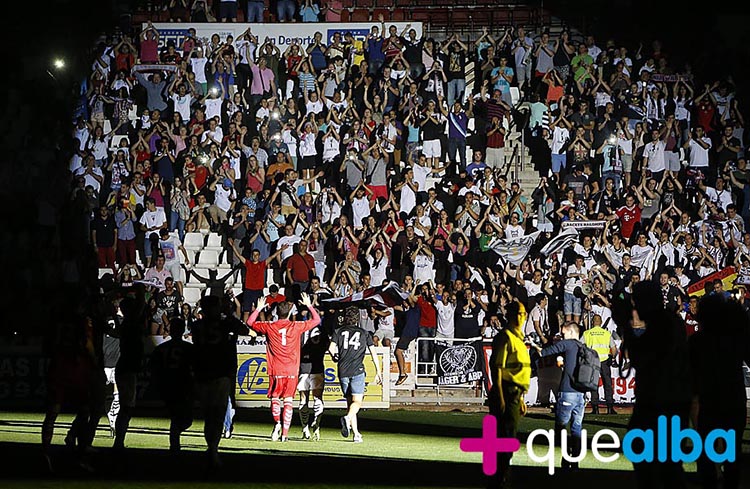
<point x="283" y="355"/>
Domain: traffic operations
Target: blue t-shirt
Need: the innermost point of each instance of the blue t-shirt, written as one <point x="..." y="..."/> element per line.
<point x="375" y="49"/>
<point x="475" y="168"/>
<point x="411" y="323"/>
<point x="501" y="83"/>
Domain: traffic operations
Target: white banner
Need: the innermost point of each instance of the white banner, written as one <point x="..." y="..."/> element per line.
<point x="282" y="35"/>
<point x="583" y="224"/>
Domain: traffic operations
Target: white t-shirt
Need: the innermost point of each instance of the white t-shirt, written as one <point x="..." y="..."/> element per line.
<point x="90" y="180"/>
<point x="721" y="198"/>
<point x="572" y="282"/>
<point x="423" y="271"/>
<point x="331" y="148"/>
<point x="307" y="145"/>
<point x="182" y="105"/>
<point x="445" y="318"/>
<point x="560" y="136"/>
<point x="169" y="249"/>
<point x="360" y="210"/>
<point x="314" y="107"/>
<point x="153" y="219"/>
<point x="377" y="270"/>
<point x="386" y="322"/>
<point x="420" y="175"/>
<point x="699" y="154"/>
<point x="217" y="135"/>
<point x="512" y="231"/>
<point x="408" y="199"/>
<point x="654" y="151"/>
<point x="199" y="68"/>
<point x="223" y="198"/>
<point x="213" y="108"/>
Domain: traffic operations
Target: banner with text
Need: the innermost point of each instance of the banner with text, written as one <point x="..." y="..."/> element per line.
<point x="251" y="382"/>
<point x="282" y="35"/>
<point x="584" y="224"/>
<point x="460" y="363"/>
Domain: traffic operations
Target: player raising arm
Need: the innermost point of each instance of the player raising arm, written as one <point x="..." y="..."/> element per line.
<point x="352" y="343"/>
<point x="283" y="356"/>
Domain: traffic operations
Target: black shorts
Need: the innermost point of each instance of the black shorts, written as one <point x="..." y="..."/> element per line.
<point x="307" y="163"/>
<point x="404" y="341"/>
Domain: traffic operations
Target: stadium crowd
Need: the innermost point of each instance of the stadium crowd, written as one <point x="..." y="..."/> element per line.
<point x="348" y="163"/>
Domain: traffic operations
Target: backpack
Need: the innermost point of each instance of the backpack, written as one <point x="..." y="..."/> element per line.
<point x="587" y="372"/>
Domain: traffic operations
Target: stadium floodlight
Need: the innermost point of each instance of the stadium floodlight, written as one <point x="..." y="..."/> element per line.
<point x="58" y="63"/>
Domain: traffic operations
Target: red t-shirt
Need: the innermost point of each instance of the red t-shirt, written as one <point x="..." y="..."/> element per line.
<point x="255" y="275"/>
<point x="301" y="266"/>
<point x="428" y="314"/>
<point x="628" y="218"/>
<point x="283" y="344"/>
<point x="149" y="51"/>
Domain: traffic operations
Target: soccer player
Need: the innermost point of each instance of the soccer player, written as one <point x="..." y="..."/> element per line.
<point x="312" y="380"/>
<point x="71" y="363"/>
<point x="215" y="366"/>
<point x="131" y="331"/>
<point x="172" y="367"/>
<point x="352" y="343"/>
<point x="283" y="357"/>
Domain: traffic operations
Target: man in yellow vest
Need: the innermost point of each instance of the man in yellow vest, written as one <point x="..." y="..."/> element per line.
<point x="511" y="374"/>
<point x="600" y="340"/>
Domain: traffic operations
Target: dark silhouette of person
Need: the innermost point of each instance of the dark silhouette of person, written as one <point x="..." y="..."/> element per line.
<point x="656" y="345"/>
<point x="214" y="284"/>
<point x="717" y="351"/>
<point x="172" y="367"/>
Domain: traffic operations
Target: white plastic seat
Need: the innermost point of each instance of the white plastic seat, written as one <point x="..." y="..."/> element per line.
<point x="208" y="259"/>
<point x="225" y="260"/>
<point x="104" y="271"/>
<point x="107" y="126"/>
<point x="115" y="142"/>
<point x="214" y="242"/>
<point x="133" y="113"/>
<point x="183" y="276"/>
<point x="203" y="272"/>
<point x="191" y="255"/>
<point x="193" y="241"/>
<point x="192" y="295"/>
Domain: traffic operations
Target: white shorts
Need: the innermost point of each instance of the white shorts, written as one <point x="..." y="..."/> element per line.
<point x="431" y="149"/>
<point x="109" y="373"/>
<point x="174" y="270"/>
<point x="311" y="382"/>
<point x="384" y="334"/>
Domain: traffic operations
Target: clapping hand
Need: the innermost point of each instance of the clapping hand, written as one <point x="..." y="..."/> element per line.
<point x="261" y="304"/>
<point x="306" y="300"/>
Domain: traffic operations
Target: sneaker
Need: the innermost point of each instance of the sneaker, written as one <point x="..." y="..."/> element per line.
<point x="401" y="379"/>
<point x="228" y="433"/>
<point x="357" y="438"/>
<point x="276" y="435"/>
<point x="306" y="432"/>
<point x="284" y="439"/>
<point x="316" y="434"/>
<point x="344" y="427"/>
